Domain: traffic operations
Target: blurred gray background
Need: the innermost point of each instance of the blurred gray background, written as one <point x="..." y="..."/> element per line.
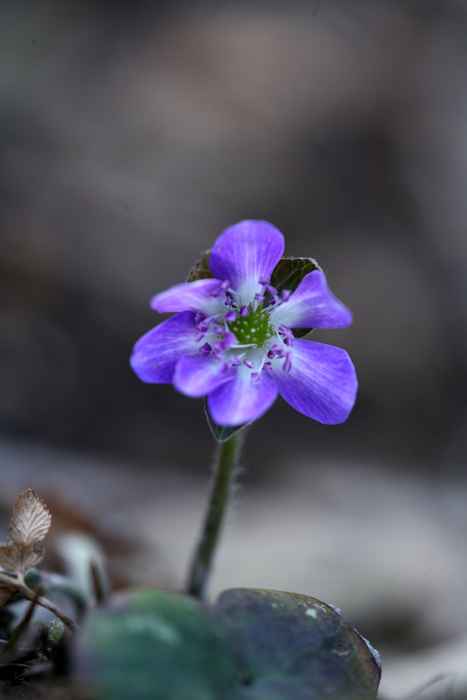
<point x="131" y="135"/>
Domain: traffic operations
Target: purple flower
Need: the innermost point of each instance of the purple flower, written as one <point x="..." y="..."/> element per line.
<point x="231" y="339"/>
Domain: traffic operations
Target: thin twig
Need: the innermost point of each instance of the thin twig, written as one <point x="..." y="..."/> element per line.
<point x="19" y="629"/>
<point x="14" y="582"/>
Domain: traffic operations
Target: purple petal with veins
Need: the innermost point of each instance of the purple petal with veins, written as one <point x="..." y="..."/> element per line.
<point x="245" y="254"/>
<point x="156" y="353"/>
<point x="197" y="376"/>
<point x="321" y="384"/>
<point x="191" y="296"/>
<point x="242" y="400"/>
<point x="312" y="305"/>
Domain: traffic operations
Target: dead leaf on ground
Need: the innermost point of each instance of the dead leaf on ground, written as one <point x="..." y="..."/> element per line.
<point x="29" y="525"/>
<point x="5" y="594"/>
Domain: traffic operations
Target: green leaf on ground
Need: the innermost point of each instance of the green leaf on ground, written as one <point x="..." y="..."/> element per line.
<point x="157" y="645"/>
<point x="288" y="645"/>
<point x="253" y="645"/>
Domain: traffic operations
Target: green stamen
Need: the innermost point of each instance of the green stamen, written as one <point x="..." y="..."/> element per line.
<point x="253" y="328"/>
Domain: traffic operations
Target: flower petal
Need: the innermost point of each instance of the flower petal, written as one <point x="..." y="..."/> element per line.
<point x="312" y="305"/>
<point x="246" y="253"/>
<point x="156" y="353"/>
<point x="242" y="400"/>
<point x="197" y="375"/>
<point x="191" y="296"/>
<point x="322" y="383"/>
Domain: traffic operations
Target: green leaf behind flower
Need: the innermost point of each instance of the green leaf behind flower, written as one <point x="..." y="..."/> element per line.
<point x="253" y="645"/>
<point x="201" y="269"/>
<point x="289" y="272"/>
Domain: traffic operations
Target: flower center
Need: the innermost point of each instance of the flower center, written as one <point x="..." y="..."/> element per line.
<point x="252" y="328"/>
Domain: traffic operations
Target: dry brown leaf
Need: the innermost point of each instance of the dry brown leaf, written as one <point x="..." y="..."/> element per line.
<point x="29" y="525"/>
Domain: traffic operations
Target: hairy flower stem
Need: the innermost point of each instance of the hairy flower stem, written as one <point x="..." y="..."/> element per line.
<point x="218" y="501"/>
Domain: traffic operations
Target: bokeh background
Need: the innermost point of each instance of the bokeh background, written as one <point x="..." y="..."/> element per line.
<point x="132" y="134"/>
